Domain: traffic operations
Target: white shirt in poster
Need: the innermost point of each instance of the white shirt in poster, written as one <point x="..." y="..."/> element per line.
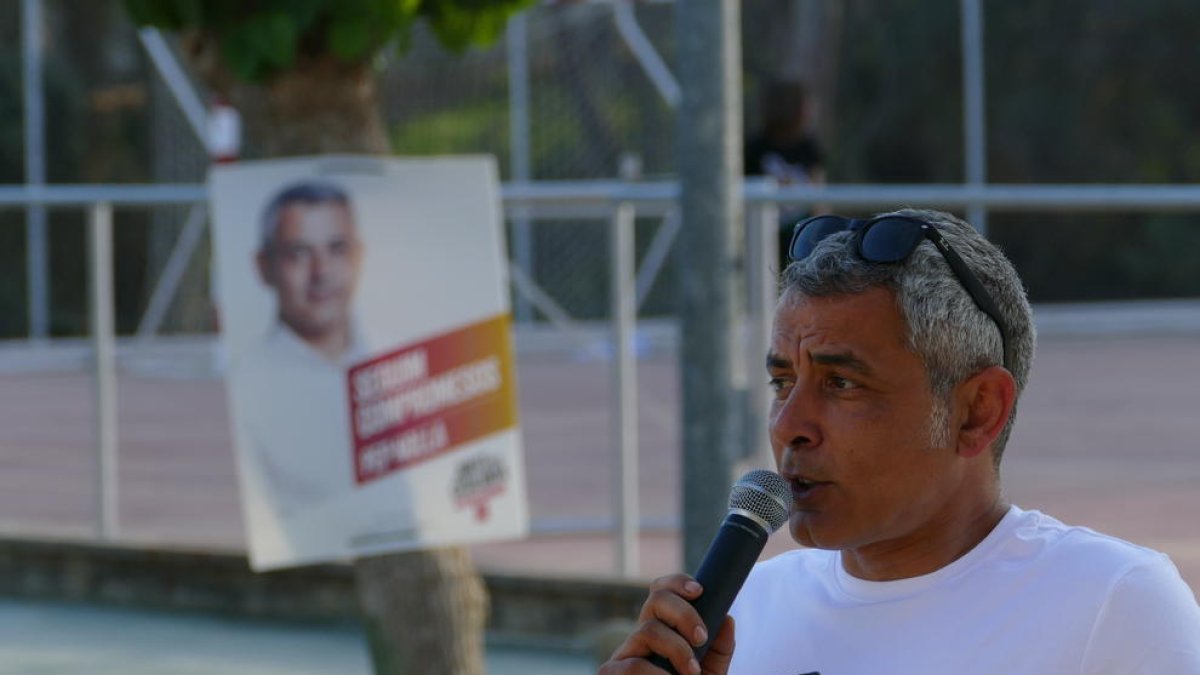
<point x="291" y="403"/>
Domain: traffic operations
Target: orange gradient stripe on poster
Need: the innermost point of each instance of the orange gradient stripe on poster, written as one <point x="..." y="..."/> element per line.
<point x="426" y="399"/>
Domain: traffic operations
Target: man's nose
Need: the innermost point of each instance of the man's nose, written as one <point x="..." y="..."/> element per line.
<point x="795" y="420"/>
<point x="318" y="268"/>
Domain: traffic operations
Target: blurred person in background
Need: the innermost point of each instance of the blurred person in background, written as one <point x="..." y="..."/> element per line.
<point x="785" y="149"/>
<point x="900" y="347"/>
<point x="291" y="387"/>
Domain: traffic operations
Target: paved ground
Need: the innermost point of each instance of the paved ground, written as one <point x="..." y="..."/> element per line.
<point x="63" y="639"/>
<point x="1106" y="437"/>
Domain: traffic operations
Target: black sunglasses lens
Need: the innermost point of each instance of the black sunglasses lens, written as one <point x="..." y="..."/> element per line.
<point x="810" y="232"/>
<point x="890" y="240"/>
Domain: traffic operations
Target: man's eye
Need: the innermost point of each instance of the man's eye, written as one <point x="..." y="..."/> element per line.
<point x="840" y="383"/>
<point x="778" y="384"/>
<point x="294" y="253"/>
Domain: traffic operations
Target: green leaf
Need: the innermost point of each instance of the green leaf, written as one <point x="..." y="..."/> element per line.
<point x="190" y="12"/>
<point x="261" y="37"/>
<point x="277" y="34"/>
<point x="387" y="12"/>
<point x="360" y="28"/>
<point x="260" y="46"/>
<point x="462" y="23"/>
<point x="158" y="13"/>
<point x="222" y="15"/>
<point x="349" y="38"/>
<point x="304" y="13"/>
<point x="241" y="56"/>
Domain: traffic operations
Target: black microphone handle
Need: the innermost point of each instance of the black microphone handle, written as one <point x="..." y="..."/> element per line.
<point x="722" y="572"/>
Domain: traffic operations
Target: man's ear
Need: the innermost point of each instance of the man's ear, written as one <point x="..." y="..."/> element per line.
<point x="986" y="401"/>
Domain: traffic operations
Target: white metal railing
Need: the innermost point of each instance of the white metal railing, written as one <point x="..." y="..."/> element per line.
<point x="549" y="199"/>
<point x="621" y="203"/>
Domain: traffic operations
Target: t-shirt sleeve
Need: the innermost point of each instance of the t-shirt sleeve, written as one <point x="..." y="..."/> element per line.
<point x="1149" y="624"/>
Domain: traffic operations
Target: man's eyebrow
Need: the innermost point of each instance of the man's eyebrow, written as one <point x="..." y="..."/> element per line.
<point x="777" y="362"/>
<point x="844" y="360"/>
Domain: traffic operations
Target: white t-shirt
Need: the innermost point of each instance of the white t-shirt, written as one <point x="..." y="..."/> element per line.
<point x="291" y="405"/>
<point x="1035" y="596"/>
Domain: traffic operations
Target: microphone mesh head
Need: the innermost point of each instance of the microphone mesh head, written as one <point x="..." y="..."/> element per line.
<point x="765" y="494"/>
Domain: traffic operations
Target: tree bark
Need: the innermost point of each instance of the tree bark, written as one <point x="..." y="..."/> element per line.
<point x="424" y="611"/>
<point x="320" y="106"/>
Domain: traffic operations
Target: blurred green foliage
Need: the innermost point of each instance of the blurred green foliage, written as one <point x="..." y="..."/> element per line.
<point x="463" y="129"/>
<point x="1078" y="91"/>
<point x="261" y="38"/>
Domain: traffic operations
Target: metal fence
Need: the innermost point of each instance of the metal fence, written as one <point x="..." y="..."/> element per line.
<point x="616" y="206"/>
<point x="556" y="227"/>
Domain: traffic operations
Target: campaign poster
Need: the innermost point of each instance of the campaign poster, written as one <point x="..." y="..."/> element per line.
<point x="364" y="315"/>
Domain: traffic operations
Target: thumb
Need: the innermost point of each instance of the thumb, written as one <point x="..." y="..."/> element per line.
<point x="720" y="653"/>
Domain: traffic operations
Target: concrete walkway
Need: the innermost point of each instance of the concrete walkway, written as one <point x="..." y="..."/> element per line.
<point x="38" y="638"/>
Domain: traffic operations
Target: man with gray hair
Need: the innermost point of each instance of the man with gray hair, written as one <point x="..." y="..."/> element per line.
<point x="900" y="346"/>
<point x="290" y="388"/>
<point x="310" y="255"/>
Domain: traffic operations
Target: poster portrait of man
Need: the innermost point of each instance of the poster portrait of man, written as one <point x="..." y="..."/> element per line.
<point x="361" y="411"/>
<point x="310" y="257"/>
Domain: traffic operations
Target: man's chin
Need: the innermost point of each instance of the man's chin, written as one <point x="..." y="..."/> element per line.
<point x="808" y="531"/>
<point x="313" y="329"/>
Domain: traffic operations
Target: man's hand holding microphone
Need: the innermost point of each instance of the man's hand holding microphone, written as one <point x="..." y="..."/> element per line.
<point x="684" y="627"/>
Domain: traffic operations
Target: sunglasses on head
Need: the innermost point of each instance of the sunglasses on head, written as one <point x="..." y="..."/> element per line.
<point x="891" y="239"/>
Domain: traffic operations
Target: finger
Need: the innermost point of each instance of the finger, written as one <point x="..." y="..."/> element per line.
<point x="720" y="653"/>
<point x="669" y="608"/>
<point x="626" y="667"/>
<point x="640" y="667"/>
<point x="679" y="584"/>
<point x="669" y="601"/>
<point x="654" y="638"/>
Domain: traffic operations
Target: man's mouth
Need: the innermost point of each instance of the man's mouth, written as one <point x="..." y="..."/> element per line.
<point x="804" y="487"/>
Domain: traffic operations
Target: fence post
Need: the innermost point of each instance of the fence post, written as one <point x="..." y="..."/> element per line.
<point x="708" y="154"/>
<point x="33" y="92"/>
<point x="517" y="42"/>
<point x="100" y="251"/>
<point x="974" y="121"/>
<point x="762" y="256"/>
<point x="622" y="302"/>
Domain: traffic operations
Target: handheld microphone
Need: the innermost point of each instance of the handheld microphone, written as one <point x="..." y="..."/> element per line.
<point x="759" y="504"/>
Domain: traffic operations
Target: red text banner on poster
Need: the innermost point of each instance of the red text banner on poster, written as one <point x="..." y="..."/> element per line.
<point x="425" y="399"/>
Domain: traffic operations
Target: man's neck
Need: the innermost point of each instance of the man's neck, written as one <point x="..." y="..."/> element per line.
<point x="332" y="345"/>
<point x="936" y="544"/>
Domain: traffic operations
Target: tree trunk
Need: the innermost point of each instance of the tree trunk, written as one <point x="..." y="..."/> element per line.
<point x="320" y="106"/>
<point x="425" y="611"/>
